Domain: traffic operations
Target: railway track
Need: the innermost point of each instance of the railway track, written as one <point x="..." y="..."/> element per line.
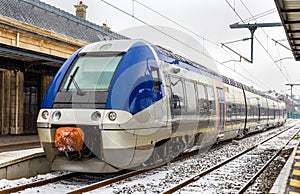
<point x="110" y="182"/>
<point x="38" y="183"/>
<point x="77" y="183"/>
<point x="261" y="155"/>
<point x="86" y="182"/>
<point x="68" y="181"/>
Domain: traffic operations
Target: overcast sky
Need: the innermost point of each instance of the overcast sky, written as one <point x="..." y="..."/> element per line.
<point x="210" y="20"/>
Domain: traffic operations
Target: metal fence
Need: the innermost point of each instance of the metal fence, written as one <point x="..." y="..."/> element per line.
<point x="291" y="115"/>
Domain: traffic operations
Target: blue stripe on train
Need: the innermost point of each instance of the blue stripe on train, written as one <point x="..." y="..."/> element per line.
<point x="132" y="88"/>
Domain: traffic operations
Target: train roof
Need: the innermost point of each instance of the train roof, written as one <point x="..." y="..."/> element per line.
<point x="190" y="65"/>
<point x="110" y="46"/>
<point x="125" y="45"/>
<point x="237" y="84"/>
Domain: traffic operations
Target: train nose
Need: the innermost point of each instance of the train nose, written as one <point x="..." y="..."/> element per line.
<point x="69" y="139"/>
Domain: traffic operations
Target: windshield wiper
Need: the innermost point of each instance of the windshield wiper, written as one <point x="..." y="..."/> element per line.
<point x="79" y="91"/>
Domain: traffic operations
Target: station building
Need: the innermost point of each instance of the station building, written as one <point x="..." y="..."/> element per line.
<point x="35" y="40"/>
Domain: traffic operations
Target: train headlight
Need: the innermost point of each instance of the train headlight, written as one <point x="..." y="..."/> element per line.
<point x="112" y="116"/>
<point x="56" y="115"/>
<point x="45" y="114"/>
<point x="96" y="116"/>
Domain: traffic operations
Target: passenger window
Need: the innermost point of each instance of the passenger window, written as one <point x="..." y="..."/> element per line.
<point x="155" y="77"/>
<point x="220" y="94"/>
<point x="211" y="98"/>
<point x="238" y="110"/>
<point x="177" y="95"/>
<point x="190" y="96"/>
<point x="234" y="111"/>
<point x="228" y="112"/>
<point x="243" y="110"/>
<point x="202" y="100"/>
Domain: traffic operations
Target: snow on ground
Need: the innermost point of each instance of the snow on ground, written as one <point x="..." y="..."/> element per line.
<point x="153" y="182"/>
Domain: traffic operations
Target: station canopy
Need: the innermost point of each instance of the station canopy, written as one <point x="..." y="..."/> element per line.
<point x="289" y="11"/>
<point x="25" y="55"/>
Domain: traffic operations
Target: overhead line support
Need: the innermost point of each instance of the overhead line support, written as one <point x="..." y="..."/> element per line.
<point x="252" y="28"/>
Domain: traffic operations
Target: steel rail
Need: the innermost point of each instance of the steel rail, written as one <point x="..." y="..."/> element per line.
<point x="203" y="173"/>
<point x="115" y="179"/>
<point x="88" y="187"/>
<point x="125" y="176"/>
<point x="254" y="177"/>
<point x="107" y="182"/>
<point x="38" y="183"/>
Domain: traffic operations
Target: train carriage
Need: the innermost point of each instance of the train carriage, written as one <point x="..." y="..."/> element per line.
<point x="125" y="103"/>
<point x="234" y="120"/>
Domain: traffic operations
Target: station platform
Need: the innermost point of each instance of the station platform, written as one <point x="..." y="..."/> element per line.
<point x="293" y="184"/>
<point x="21" y="156"/>
<point x="17" y="139"/>
<point x="18" y="142"/>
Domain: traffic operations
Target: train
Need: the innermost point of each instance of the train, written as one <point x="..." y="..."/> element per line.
<point x="125" y="104"/>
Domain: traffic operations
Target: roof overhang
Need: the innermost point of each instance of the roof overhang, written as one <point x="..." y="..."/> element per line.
<point x="29" y="56"/>
<point x="289" y="11"/>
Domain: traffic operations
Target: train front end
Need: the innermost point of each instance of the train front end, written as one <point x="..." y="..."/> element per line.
<point x="105" y="108"/>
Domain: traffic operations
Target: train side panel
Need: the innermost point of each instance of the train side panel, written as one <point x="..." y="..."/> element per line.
<point x="121" y="104"/>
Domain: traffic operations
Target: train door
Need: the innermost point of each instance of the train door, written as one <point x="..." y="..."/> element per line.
<point x="32" y="101"/>
<point x="203" y="105"/>
<point x="191" y="106"/>
<point x="212" y="107"/>
<point x="221" y="103"/>
<point x="177" y="103"/>
<point x="258" y="110"/>
<point x="169" y="95"/>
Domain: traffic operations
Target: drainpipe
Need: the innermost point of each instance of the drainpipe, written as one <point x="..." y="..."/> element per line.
<point x="17" y="102"/>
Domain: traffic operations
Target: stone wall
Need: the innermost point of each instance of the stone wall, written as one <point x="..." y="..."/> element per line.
<point x="21" y="35"/>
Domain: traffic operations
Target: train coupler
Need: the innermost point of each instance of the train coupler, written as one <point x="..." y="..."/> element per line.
<point x="69" y="139"/>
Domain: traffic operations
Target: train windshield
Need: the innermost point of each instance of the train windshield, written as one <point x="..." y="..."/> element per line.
<point x="91" y="72"/>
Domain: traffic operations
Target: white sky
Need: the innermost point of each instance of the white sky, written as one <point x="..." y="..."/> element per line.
<point x="211" y="20"/>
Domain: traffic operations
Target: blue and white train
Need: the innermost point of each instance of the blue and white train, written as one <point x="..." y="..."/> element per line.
<point x="120" y="104"/>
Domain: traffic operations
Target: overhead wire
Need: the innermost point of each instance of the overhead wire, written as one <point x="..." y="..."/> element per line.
<point x="259" y="83"/>
<point x="282" y="65"/>
<point x="266" y="50"/>
<point x="178" y="24"/>
<point x="260" y="15"/>
<point x="235" y="11"/>
<point x="272" y="59"/>
<point x="253" y="17"/>
<point x="285" y="75"/>
<point x="164" y="33"/>
<point x="203" y="38"/>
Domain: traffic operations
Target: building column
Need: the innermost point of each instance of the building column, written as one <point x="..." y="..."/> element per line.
<point x="18" y="104"/>
<point x="12" y="87"/>
<point x="5" y="102"/>
<point x="2" y="108"/>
